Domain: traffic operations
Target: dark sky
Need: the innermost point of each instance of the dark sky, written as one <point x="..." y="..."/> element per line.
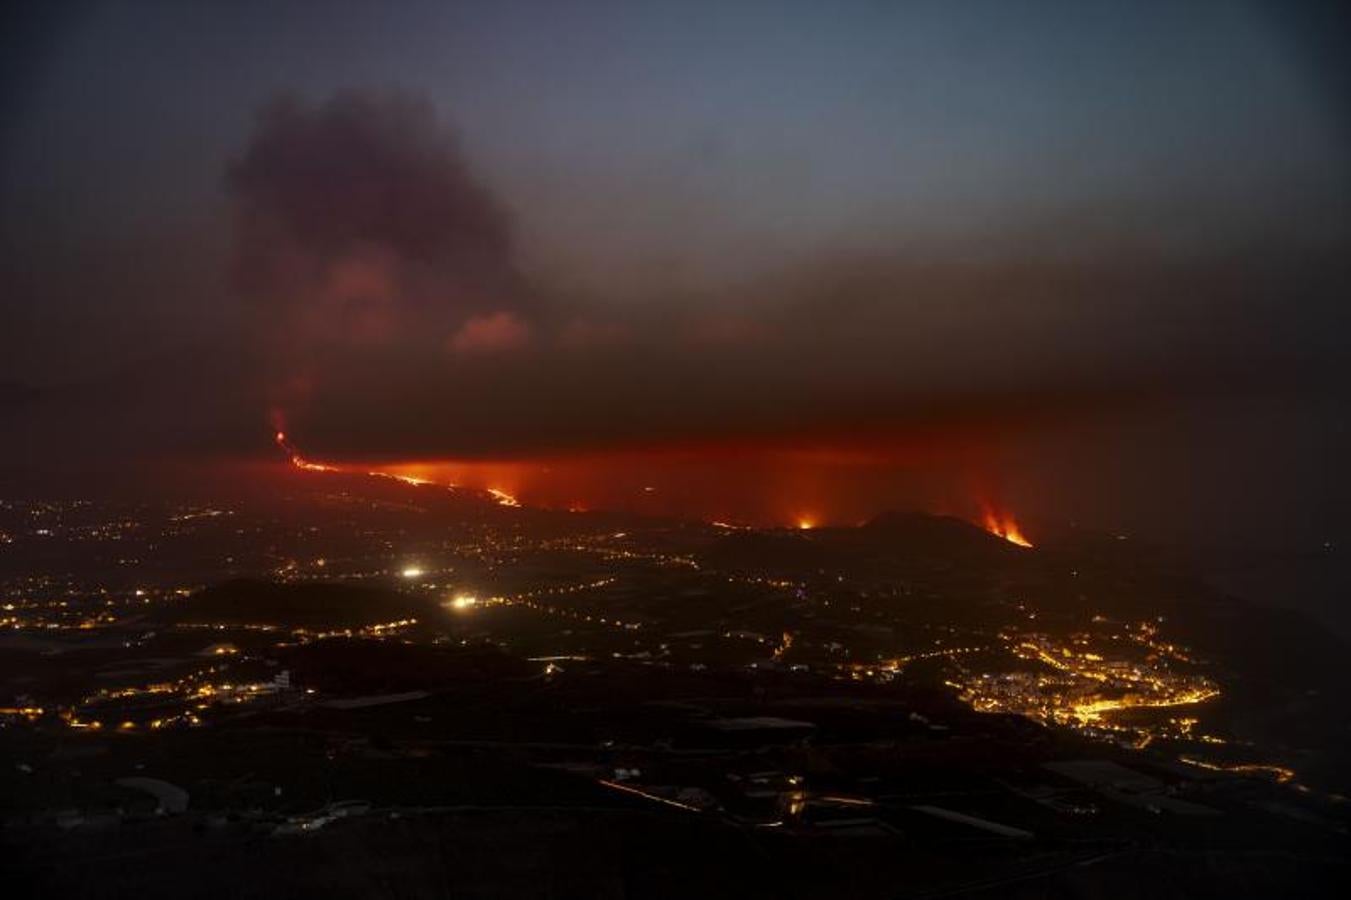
<point x="1094" y="253"/>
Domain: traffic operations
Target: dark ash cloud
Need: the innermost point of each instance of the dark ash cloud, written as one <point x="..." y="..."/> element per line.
<point x="385" y="316"/>
<point x="359" y="224"/>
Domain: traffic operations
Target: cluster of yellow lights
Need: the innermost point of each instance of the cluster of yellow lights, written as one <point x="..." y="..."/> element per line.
<point x="1087" y="689"/>
<point x="26" y="712"/>
<point x="463" y="601"/>
<point x="379" y="629"/>
<point x="892" y="666"/>
<point x="529" y="600"/>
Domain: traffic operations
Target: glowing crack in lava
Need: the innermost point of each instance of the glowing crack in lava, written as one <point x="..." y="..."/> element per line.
<point x="1004" y="526"/>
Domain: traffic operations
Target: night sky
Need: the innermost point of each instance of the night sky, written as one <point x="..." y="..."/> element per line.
<point x="1088" y="260"/>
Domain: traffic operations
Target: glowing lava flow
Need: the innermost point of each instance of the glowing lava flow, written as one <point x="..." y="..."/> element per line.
<point x="297" y="460"/>
<point x="1004" y="527"/>
<point x="759" y="489"/>
<point x="502" y="498"/>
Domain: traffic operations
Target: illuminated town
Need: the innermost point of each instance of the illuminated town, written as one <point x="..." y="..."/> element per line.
<point x="591" y="594"/>
<point x="675" y="449"/>
<point x="810" y="682"/>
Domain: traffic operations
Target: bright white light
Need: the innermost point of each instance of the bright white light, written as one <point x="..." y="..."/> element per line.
<point x="463" y="601"/>
<point x="412" y="572"/>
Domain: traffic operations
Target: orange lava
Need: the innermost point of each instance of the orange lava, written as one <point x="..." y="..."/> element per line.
<point x="1004" y="526"/>
<point x="731" y="488"/>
